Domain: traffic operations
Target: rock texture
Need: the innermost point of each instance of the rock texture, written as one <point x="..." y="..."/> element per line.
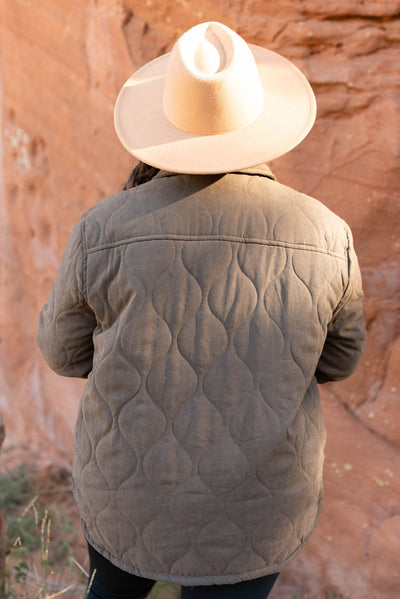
<point x="62" y="65"/>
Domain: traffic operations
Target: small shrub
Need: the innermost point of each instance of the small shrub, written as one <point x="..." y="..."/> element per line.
<point x="38" y="554"/>
<point x="16" y="488"/>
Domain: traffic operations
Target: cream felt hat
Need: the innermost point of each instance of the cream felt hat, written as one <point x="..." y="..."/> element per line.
<point x="214" y="104"/>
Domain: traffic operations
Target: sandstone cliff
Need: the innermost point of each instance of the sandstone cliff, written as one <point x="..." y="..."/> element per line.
<point x="62" y="64"/>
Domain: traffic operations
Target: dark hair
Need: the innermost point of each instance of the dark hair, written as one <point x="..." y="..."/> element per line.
<point x="142" y="173"/>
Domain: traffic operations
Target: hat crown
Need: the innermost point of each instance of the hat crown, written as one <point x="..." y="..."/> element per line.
<point x="212" y="83"/>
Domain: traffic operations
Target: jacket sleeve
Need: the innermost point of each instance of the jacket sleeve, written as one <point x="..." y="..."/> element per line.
<point x="346" y="334"/>
<point x="66" y="322"/>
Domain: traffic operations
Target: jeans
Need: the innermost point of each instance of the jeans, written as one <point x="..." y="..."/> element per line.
<point x="110" y="582"/>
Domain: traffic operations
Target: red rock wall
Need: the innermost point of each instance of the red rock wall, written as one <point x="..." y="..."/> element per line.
<point x="62" y="64"/>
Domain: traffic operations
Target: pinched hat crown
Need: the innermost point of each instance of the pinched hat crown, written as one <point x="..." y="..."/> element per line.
<point x="212" y="83"/>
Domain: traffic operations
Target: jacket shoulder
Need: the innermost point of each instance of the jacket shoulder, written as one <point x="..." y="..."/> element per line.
<point x="313" y="208"/>
<point x="301" y="218"/>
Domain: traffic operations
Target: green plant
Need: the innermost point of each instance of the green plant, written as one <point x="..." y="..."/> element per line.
<point x="16" y="488"/>
<point x="163" y="590"/>
<point x="38" y="552"/>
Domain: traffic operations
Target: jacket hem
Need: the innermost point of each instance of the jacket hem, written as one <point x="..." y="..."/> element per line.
<point x="201" y="580"/>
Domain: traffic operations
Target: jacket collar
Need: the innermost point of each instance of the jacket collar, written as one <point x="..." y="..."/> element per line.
<point x="261" y="170"/>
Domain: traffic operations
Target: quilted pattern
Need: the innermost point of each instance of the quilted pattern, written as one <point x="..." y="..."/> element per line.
<point x="203" y="311"/>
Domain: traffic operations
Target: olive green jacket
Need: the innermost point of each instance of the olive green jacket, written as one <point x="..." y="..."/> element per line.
<point x="204" y="310"/>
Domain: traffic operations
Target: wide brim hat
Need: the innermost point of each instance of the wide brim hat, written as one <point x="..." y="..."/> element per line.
<point x="214" y="104"/>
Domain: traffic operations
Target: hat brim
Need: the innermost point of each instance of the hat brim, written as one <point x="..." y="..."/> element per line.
<point x="286" y="118"/>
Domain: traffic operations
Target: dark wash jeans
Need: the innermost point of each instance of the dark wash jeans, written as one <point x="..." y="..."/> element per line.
<point x="110" y="582"/>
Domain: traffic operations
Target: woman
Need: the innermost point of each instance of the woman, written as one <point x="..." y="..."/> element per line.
<point x="204" y="306"/>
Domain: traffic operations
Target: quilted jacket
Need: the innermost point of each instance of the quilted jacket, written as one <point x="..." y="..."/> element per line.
<point x="204" y="310"/>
